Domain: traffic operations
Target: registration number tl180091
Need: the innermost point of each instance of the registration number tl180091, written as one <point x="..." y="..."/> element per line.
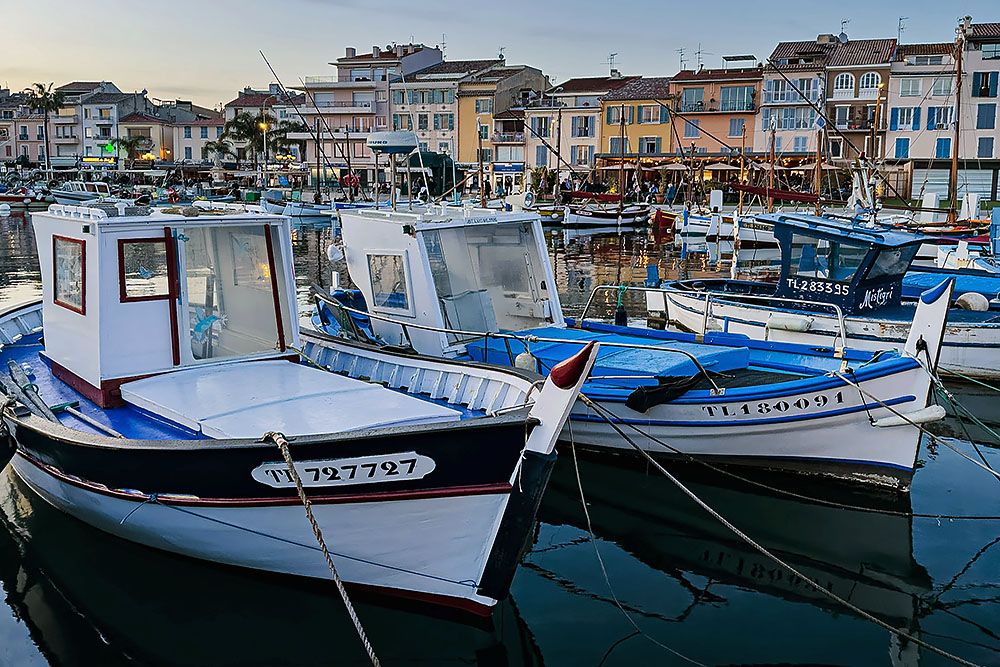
<point x="347" y="471"/>
<point x="774" y="408"/>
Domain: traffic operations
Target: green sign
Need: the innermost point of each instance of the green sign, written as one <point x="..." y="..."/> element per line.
<point x="109" y="147"/>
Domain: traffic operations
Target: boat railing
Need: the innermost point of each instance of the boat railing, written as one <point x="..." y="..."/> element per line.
<point x="81" y="212"/>
<point x="523" y="339"/>
<point x="711" y="298"/>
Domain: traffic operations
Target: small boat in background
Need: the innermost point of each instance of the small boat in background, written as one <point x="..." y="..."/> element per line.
<point x="78" y="192"/>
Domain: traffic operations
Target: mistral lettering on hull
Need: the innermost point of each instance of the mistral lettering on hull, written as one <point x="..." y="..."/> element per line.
<point x="348" y="471"/>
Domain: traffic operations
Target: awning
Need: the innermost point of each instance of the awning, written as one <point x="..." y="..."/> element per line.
<point x="720" y="166"/>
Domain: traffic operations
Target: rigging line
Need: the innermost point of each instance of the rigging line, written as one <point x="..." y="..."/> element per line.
<point x="420" y="156"/>
<point x="843" y="136"/>
<point x="315" y="136"/>
<point x="954" y="580"/>
<point x="767" y="553"/>
<point x="600" y="560"/>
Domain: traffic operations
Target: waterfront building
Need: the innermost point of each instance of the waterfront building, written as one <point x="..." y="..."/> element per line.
<point x="9" y="106"/>
<point x="343" y="108"/>
<point x="66" y="126"/>
<point x="792" y="84"/>
<point x="714" y="108"/>
<point x="491" y="119"/>
<point x="567" y="120"/>
<point x="643" y="105"/>
<point x="158" y="133"/>
<point x="191" y="135"/>
<point x="257" y="103"/>
<point x="856" y="76"/>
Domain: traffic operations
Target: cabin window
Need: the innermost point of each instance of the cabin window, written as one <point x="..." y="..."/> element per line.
<point x="819" y="258"/>
<point x="143" y="272"/>
<point x="69" y="266"/>
<point x="388" y="279"/>
<point x="893" y="262"/>
<point x="228" y="296"/>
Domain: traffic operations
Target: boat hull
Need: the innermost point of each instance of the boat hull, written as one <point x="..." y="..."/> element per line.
<point x="970" y="350"/>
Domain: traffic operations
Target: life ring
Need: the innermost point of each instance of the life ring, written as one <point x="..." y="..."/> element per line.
<point x="350" y="180"/>
<point x="172" y="196"/>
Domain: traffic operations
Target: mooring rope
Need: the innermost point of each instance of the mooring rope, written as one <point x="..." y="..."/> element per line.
<point x="282" y="443"/>
<point x="764" y="551"/>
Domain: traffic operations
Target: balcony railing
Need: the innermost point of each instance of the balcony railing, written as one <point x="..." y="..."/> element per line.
<point x="789" y="97"/>
<point x="729" y="105"/>
<point x="738" y="105"/>
<point x="72" y="118"/>
<point x="508" y="137"/>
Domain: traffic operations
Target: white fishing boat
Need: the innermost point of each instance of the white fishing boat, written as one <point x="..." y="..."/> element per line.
<point x="157" y="392"/>
<point x="77" y="192"/>
<point x="837" y="280"/>
<point x="478" y="284"/>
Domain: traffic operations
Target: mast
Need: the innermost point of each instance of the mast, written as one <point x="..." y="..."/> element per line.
<point x="743" y="152"/>
<point x="818" y="170"/>
<point x="319" y="179"/>
<point x="558" y="158"/>
<point x="482" y="183"/>
<point x="953" y="175"/>
<point x="621" y="165"/>
<point x="770" y="177"/>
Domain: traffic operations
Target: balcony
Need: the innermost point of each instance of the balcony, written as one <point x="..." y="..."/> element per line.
<point x="72" y="118"/>
<point x="790" y="97"/>
<point x="508" y="137"/>
<point x="334" y="81"/>
<point x="66" y="139"/>
<point x="727" y="106"/>
<point x="856" y="125"/>
<point x="339" y="107"/>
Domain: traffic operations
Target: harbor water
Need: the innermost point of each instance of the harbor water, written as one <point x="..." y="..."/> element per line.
<point x="623" y="569"/>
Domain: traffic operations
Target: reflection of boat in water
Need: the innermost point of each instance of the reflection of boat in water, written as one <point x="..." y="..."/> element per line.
<point x="89" y="598"/>
<point x="864" y="557"/>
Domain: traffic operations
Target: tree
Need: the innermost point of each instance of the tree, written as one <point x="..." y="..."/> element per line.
<point x="278" y="137"/>
<point x="219" y="149"/>
<point x="130" y="146"/>
<point x="43" y="99"/>
<point x="247" y="127"/>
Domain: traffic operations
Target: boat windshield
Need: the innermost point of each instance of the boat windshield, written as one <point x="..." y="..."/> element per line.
<point x="819" y="258"/>
<point x="488" y="278"/>
<point x="228" y="295"/>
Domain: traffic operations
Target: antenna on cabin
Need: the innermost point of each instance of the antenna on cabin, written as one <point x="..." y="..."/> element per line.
<point x="900" y="27"/>
<point x="611" y="61"/>
<point x="682" y="59"/>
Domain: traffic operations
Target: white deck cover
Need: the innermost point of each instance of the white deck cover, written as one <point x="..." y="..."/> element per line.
<point x="246" y="400"/>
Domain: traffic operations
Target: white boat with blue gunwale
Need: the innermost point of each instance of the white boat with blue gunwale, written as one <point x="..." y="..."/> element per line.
<point x="440" y="279"/>
<point x="142" y="394"/>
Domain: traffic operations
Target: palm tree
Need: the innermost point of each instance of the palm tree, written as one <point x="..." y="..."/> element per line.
<point x="42" y="98"/>
<point x="130" y="146"/>
<point x="246" y="127"/>
<point x="219" y="149"/>
<point x="278" y="136"/>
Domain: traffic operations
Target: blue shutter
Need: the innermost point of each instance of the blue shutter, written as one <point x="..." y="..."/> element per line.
<point x="930" y="118"/>
<point x="574" y="153"/>
<point x="658" y="144"/>
<point x="977" y="83"/>
<point x="993" y="83"/>
<point x="629" y="114"/>
<point x="894" y="119"/>
<point x="664" y="114"/>
<point x="573" y="123"/>
<point x="607" y="116"/>
<point x="916" y="118"/>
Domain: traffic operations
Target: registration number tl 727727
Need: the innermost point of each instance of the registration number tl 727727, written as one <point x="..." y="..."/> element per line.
<point x="347" y="471"/>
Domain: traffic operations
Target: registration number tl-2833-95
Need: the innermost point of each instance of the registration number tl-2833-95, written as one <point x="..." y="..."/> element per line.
<point x="347" y="471"/>
<point x="781" y="406"/>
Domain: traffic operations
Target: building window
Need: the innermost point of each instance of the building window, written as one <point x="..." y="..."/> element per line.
<point x="991" y="51"/>
<point x="869" y="84"/>
<point x="836" y="148"/>
<point x="582" y="126"/>
<point x="928" y="60"/>
<point x="939" y="118"/>
<point x="649" y="145"/>
<point x="777" y="144"/>
<point x="736" y="98"/>
<point x="484" y="105"/>
<point x="540" y="126"/>
<point x="649" y="113"/>
<point x="401" y="121"/>
<point x="142" y="270"/>
<point x="541" y="156"/>
<point x="444" y="148"/>
<point x="361" y="74"/>
<point x="613" y="116"/>
<point x="381" y="95"/>
<point x="444" y="121"/>
<point x="582" y="156"/>
<point x="902" y="148"/>
<point x="843" y="85"/>
<point x="423" y="147"/>
<point x="422" y="123"/>
<point x="204" y="133"/>
<point x="800" y="144"/>
<point x="841" y="116"/>
<point x="485" y="154"/>
<point x="399" y="97"/>
<point x="736" y="127"/>
<point x="187" y="132"/>
<point x="984" y="84"/>
<point x="693" y="99"/>
<point x="218" y="132"/>
<point x="692" y="129"/>
<point x="616" y="144"/>
<point x="984" y="147"/>
<point x="910" y="87"/>
<point x="942" y="148"/>
<point x="69" y="267"/>
<point x="187" y="152"/>
<point x="941" y="88"/>
<point x="986" y="116"/>
<point x="484" y="131"/>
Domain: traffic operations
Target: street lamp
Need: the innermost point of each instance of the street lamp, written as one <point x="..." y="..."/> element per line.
<point x="262" y="125"/>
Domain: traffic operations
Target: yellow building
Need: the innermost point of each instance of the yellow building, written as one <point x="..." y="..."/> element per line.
<point x="648" y="135"/>
<point x="158" y="133"/>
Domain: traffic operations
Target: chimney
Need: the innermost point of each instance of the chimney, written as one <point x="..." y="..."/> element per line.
<point x="615" y="74"/>
<point x="376" y="52"/>
<point x="351" y="52"/>
<point x="399" y="50"/>
<point x="825" y="39"/>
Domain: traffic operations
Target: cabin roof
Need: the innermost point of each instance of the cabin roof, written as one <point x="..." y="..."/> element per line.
<point x="837" y="228"/>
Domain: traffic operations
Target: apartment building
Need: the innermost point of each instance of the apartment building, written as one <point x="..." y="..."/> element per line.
<point x="273" y="101"/>
<point x="791" y="85"/>
<point x="639" y="110"/>
<point x="979" y="146"/>
<point x="66" y="126"/>
<point x="856" y="76"/>
<point x="191" y="136"/>
<point x="491" y="116"/>
<point x="426" y="102"/>
<point x="344" y="107"/>
<point x="158" y="133"/>
<point x="566" y="120"/>
<point x="716" y="109"/>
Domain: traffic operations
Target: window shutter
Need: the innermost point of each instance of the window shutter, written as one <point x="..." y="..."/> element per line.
<point x="629" y="115"/>
<point x="658" y="144"/>
<point x="574" y="153"/>
<point x="930" y="118"/>
<point x="894" y="119"/>
<point x="977" y="83"/>
<point x="664" y="114"/>
<point x="573" y="124"/>
<point x="916" y="118"/>
<point x="993" y="83"/>
<point x="607" y="116"/>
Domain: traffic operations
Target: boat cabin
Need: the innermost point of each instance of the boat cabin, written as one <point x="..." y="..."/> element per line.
<point x="463" y="269"/>
<point x="858" y="268"/>
<point x="98" y="189"/>
<point x="129" y="293"/>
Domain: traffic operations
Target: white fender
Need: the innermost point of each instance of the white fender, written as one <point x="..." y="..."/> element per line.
<point x="554" y="403"/>
<point x="789" y="322"/>
<point x="929" y="323"/>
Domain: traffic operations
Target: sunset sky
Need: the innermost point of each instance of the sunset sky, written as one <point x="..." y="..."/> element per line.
<point x="206" y="50"/>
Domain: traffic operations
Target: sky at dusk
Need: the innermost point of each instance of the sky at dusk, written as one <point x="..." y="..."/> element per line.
<point x="206" y="50"/>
